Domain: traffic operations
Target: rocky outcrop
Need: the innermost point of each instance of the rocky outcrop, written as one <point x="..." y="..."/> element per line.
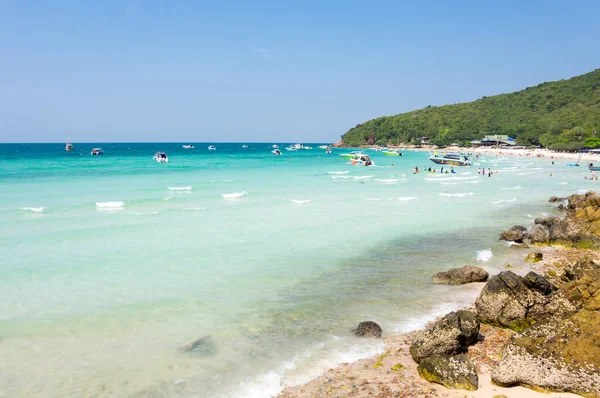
<point x="515" y="234"/>
<point x="534" y="257"/>
<point x="368" y="329"/>
<point x="460" y="276"/>
<point x="509" y="300"/>
<point x="539" y="235"/>
<point x="453" y="372"/>
<point x="451" y="335"/>
<point x="580" y="227"/>
<point x="560" y="355"/>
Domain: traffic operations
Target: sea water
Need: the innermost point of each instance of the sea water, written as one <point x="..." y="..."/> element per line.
<point x="112" y="264"/>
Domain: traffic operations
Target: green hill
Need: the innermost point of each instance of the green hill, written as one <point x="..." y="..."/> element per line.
<point x="563" y="114"/>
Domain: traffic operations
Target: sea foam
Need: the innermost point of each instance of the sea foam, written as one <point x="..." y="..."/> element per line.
<point x="110" y="205"/>
<point x="407" y="198"/>
<point x="301" y="202"/>
<point x="498" y="202"/>
<point x="179" y="188"/>
<point x="338" y="172"/>
<point x="484" y="255"/>
<point x="235" y="195"/>
<point x="34" y="209"/>
<point x="457" y="195"/>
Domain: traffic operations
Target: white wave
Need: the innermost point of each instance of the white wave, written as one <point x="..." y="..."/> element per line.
<point x="505" y="201"/>
<point x="143" y="213"/>
<point x="375" y="199"/>
<point x="466" y="173"/>
<point x="582" y="191"/>
<point x="235" y="195"/>
<point x="529" y="215"/>
<point x="227" y="180"/>
<point x="110" y="205"/>
<point x="387" y="180"/>
<point x="563" y="183"/>
<point x="485" y="255"/>
<point x="340" y="177"/>
<point x="457" y="195"/>
<point x="511" y="188"/>
<point x="338" y="172"/>
<point x="457" y="183"/>
<point x="34" y="209"/>
<point x="452" y="178"/>
<point x="545" y="214"/>
<point x="179" y="188"/>
<point x="301" y="202"/>
<point x="416" y="323"/>
<point x="169" y="198"/>
<point x="362" y="177"/>
<point x="195" y="208"/>
<point x="407" y="198"/>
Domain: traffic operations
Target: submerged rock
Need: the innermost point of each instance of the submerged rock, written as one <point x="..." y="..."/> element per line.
<point x="534" y="257"/>
<point x="367" y="329"/>
<point x="559" y="355"/>
<point x="203" y="346"/>
<point x="451" y="335"/>
<point x="453" y="372"/>
<point x="460" y="276"/>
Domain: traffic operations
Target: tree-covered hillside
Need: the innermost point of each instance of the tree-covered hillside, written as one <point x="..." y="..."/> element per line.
<point x="561" y="115"/>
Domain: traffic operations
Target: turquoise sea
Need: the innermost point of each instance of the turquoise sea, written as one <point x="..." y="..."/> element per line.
<point x="111" y="264"/>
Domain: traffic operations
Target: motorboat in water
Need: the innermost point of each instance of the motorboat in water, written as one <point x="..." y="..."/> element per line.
<point x="275" y="146"/>
<point x="69" y="147"/>
<point x="323" y="146"/>
<point x="97" y="151"/>
<point x="362" y="160"/>
<point x="307" y="147"/>
<point x="291" y="148"/>
<point x="212" y="148"/>
<point x="328" y="150"/>
<point x="392" y="152"/>
<point x="351" y="154"/>
<point x="276" y="152"/>
<point x="161" y="157"/>
<point x="245" y="146"/>
<point x="188" y="146"/>
<point x="454" y="159"/>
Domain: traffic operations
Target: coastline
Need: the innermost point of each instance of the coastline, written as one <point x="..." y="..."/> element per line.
<point x="394" y="373"/>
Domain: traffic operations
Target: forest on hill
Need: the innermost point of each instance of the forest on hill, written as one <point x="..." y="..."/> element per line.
<point x="561" y="115"/>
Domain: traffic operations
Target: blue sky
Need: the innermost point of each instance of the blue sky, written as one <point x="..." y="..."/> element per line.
<point x="269" y="70"/>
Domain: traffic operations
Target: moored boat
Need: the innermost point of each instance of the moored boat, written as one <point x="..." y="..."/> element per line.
<point x="392" y="152"/>
<point x="328" y="150"/>
<point x="276" y="152"/>
<point x="97" y="151"/>
<point x="454" y="159"/>
<point x="362" y="160"/>
<point x="212" y="148"/>
<point x="69" y="147"/>
<point x="188" y="146"/>
<point x="244" y="146"/>
<point x="161" y="157"/>
<point x="351" y="154"/>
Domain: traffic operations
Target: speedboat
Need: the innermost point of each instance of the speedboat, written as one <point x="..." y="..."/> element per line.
<point x="212" y="148"/>
<point x="362" y="160"/>
<point x="161" y="157"/>
<point x="328" y="150"/>
<point x="276" y="152"/>
<point x="188" y="146"/>
<point x="69" y="147"/>
<point x="275" y="146"/>
<point x="454" y="159"/>
<point x="392" y="152"/>
<point x="351" y="154"/>
<point x="291" y="148"/>
<point x="307" y="147"/>
<point x="97" y="151"/>
<point x="322" y="147"/>
<point x="244" y="146"/>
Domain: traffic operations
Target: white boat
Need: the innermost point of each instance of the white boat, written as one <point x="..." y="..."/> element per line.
<point x="307" y="147"/>
<point x="212" y="148"/>
<point x="322" y="146"/>
<point x="362" y="160"/>
<point x="244" y="146"/>
<point x="276" y="152"/>
<point x="69" y="147"/>
<point x="328" y="150"/>
<point x="188" y="146"/>
<point x="291" y="149"/>
<point x="97" y="152"/>
<point x="275" y="146"/>
<point x="161" y="157"/>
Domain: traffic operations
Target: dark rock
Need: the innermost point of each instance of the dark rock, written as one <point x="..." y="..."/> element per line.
<point x="367" y="329"/>
<point x="538" y="235"/>
<point x="452" y="372"/>
<point x="204" y="346"/>
<point x="459" y="276"/>
<point x="451" y="335"/>
<point x="512" y="236"/>
<point x="538" y="282"/>
<point x="534" y="257"/>
<point x="518" y="228"/>
<point x="555" y="199"/>
<point x="507" y="301"/>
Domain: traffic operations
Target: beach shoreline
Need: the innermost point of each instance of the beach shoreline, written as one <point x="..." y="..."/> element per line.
<point x="394" y="373"/>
